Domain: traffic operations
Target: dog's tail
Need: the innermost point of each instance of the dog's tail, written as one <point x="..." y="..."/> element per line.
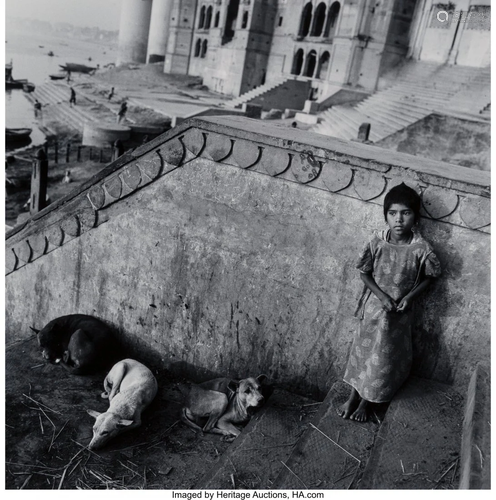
<point x="35" y="330"/>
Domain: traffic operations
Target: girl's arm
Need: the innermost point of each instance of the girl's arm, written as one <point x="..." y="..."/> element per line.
<point x="407" y="301"/>
<point x="388" y="303"/>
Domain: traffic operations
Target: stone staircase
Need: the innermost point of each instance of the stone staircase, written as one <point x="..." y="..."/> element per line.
<point x="56" y="95"/>
<point x="415" y="444"/>
<point x="254" y="93"/>
<point x="419" y="89"/>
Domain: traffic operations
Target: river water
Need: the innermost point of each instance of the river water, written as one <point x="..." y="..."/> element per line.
<point x="28" y="53"/>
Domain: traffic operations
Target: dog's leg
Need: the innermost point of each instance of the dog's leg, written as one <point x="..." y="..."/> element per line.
<point x="227" y="427"/>
<point x="184" y="418"/>
<point x="114" y="379"/>
<point x="213" y="418"/>
<point x="108" y="387"/>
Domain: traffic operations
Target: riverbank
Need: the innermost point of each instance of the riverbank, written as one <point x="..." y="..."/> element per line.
<point x="150" y="94"/>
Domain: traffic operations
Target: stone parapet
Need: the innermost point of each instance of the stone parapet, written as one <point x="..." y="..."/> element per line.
<point x="450" y="194"/>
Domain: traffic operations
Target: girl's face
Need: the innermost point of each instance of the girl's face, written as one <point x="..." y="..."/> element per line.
<point x="400" y="220"/>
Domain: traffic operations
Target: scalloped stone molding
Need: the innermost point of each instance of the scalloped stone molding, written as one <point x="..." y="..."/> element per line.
<point x="330" y="165"/>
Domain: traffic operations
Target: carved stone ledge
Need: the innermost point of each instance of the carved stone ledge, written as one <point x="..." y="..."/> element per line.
<point x="448" y="201"/>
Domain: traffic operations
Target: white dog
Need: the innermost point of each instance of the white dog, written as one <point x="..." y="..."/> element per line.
<point x="130" y="388"/>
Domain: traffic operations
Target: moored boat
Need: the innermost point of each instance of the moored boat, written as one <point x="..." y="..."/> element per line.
<point x="77" y="68"/>
<point x="59" y="76"/>
<point x="28" y="87"/>
<point x="17" y="134"/>
<point x="10" y="83"/>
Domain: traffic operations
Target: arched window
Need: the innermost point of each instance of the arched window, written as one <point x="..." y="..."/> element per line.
<point x="306" y="19"/>
<point x="201" y="21"/>
<point x="217" y="19"/>
<point x="244" y="21"/>
<point x="204" y="48"/>
<point x="297" y="62"/>
<point x="318" y="20"/>
<point x="198" y="47"/>
<point x="323" y="65"/>
<point x="208" y="18"/>
<point x="310" y="63"/>
<point x="230" y="22"/>
<point x="332" y="19"/>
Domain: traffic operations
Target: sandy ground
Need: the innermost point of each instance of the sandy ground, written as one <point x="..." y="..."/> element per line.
<point x="48" y="429"/>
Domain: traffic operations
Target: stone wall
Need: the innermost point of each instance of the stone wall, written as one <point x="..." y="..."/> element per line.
<point x="227" y="246"/>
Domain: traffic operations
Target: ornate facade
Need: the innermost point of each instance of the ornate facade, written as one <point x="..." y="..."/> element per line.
<point x="237" y="45"/>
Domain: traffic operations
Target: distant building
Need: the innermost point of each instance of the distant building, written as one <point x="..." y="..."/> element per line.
<point x="237" y="45"/>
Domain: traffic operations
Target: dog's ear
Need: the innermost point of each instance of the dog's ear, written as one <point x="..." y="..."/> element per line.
<point x="94" y="413"/>
<point x="124" y="423"/>
<point x="262" y="378"/>
<point x="35" y="330"/>
<point x="233" y="385"/>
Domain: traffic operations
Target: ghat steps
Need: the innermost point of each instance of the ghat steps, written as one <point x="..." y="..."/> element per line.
<point x="256" y="92"/>
<point x="57" y="97"/>
<point x="410" y="94"/>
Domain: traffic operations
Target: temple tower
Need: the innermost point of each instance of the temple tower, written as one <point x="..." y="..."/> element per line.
<point x="133" y="31"/>
<point x="159" y="30"/>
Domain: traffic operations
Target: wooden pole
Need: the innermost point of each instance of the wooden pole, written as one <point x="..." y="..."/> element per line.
<point x="39" y="182"/>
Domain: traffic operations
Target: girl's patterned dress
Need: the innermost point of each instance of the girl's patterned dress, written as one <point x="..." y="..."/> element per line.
<point x="381" y="354"/>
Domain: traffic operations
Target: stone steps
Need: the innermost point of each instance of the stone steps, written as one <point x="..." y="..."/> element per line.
<point x="57" y="99"/>
<point x="419" y="442"/>
<point x="332" y="451"/>
<point x="412" y="444"/>
<point x="419" y="89"/>
<point x="256" y="92"/>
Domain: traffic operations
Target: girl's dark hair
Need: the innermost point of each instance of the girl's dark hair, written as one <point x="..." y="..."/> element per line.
<point x="405" y="195"/>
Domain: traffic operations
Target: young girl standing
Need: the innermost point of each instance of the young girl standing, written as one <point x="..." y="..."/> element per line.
<point x="396" y="266"/>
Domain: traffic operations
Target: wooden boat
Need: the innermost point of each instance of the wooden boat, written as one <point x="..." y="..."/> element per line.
<point x="10" y="83"/>
<point x="58" y="76"/>
<point x="77" y="68"/>
<point x="28" y="87"/>
<point x="15" y="84"/>
<point x="17" y="134"/>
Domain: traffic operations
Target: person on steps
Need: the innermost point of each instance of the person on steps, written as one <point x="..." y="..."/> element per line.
<point x="72" y="100"/>
<point x="396" y="266"/>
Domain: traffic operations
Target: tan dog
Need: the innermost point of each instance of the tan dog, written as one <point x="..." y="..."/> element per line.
<point x="130" y="388"/>
<point x="223" y="403"/>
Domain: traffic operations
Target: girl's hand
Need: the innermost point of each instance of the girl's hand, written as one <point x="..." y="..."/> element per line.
<point x="388" y="303"/>
<point x="405" y="304"/>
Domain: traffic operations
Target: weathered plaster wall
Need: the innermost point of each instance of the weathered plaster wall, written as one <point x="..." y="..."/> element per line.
<point x="228" y="245"/>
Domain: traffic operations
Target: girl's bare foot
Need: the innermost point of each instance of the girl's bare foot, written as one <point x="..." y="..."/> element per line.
<point x="361" y="414"/>
<point x="346" y="409"/>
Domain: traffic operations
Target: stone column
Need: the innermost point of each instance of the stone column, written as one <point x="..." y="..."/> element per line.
<point x="159" y="30"/>
<point x="133" y="31"/>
